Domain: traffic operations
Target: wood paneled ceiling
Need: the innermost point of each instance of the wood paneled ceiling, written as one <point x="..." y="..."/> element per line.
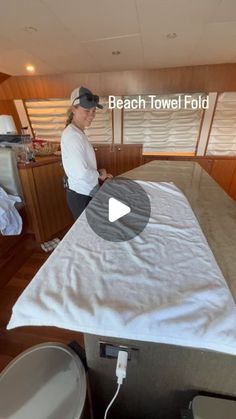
<point x="72" y="36"/>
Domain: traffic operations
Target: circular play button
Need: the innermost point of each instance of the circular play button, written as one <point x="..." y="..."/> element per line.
<point x="119" y="211"/>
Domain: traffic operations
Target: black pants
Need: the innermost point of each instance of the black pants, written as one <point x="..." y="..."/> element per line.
<point x="77" y="202"/>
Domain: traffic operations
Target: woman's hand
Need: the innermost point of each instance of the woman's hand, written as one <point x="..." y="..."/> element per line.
<point x="104" y="175"/>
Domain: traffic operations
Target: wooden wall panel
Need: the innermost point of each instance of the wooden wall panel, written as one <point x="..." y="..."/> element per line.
<point x="209" y="78"/>
<point x="7" y="107"/>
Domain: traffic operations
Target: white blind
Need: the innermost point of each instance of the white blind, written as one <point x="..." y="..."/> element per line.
<point x="163" y="130"/>
<point x="48" y="119"/>
<point x="222" y="140"/>
<point x="100" y="130"/>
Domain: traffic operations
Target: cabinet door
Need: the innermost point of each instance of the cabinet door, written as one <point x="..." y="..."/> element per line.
<point x="206" y="164"/>
<point x="222" y="172"/>
<point x="105" y="157"/>
<point x="128" y="156"/>
<point x="51" y="201"/>
<point x="232" y="189"/>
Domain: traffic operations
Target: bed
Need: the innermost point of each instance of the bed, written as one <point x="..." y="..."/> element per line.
<point x="182" y="326"/>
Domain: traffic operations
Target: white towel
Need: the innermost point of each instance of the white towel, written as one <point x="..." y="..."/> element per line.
<point x="10" y="219"/>
<point x="162" y="286"/>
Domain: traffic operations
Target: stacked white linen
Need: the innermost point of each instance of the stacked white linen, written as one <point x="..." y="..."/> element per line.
<point x="162" y="286"/>
<point x="10" y="219"/>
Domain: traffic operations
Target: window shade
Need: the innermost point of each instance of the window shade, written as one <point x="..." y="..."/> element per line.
<point x="222" y="140"/>
<point x="163" y="130"/>
<point x="101" y="129"/>
<point x="48" y="117"/>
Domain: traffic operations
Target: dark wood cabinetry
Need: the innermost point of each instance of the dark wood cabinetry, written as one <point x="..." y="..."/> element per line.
<point x="118" y="158"/>
<point x="232" y="188"/>
<point x="105" y="155"/>
<point x="46" y="207"/>
<point x="222" y="169"/>
<point x="45" y="202"/>
<point x="128" y="156"/>
<point x="206" y="164"/>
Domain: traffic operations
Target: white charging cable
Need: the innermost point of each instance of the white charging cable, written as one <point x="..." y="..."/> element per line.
<point x="121" y="366"/>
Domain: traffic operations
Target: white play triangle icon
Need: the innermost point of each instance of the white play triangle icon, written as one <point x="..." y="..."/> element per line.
<point x="117" y="210"/>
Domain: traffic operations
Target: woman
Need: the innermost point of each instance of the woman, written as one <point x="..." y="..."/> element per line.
<point x="78" y="156"/>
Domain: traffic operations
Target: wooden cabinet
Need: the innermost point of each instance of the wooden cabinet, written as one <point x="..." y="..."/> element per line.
<point x="45" y="201"/>
<point x="232" y="189"/>
<point x="222" y="172"/>
<point x="128" y="156"/>
<point x="222" y="169"/>
<point x="42" y="184"/>
<point x="118" y="158"/>
<point x="206" y="164"/>
<point x="105" y="155"/>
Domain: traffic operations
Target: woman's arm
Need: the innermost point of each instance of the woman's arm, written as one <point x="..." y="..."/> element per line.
<point x="104" y="175"/>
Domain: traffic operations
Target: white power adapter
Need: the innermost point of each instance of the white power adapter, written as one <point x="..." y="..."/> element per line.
<point x="121" y="366"/>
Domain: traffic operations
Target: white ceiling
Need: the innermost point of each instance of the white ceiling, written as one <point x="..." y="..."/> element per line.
<point x="80" y="35"/>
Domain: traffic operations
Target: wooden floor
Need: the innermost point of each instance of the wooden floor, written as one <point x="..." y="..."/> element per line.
<point x="26" y="260"/>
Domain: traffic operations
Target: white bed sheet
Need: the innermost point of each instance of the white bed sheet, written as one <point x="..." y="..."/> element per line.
<point x="162" y="286"/>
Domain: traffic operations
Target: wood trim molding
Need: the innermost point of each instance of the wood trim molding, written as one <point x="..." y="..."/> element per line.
<point x="122" y="125"/>
<point x="199" y="132"/>
<point x="168" y="154"/>
<point x="29" y="121"/>
<point x="112" y="127"/>
<point x="205" y="78"/>
<point x="206" y="125"/>
<point x="189" y="156"/>
<point x="212" y="119"/>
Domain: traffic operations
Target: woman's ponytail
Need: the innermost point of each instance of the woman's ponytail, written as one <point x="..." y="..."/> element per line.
<point x="69" y="117"/>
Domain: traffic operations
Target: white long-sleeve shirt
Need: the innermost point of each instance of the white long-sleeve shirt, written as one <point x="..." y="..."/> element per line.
<point x="79" y="160"/>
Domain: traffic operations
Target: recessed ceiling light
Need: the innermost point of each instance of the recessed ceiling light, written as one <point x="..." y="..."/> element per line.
<point x="171" y="35"/>
<point x="30" y="29"/>
<point x="30" y="68"/>
<point x="116" y="52"/>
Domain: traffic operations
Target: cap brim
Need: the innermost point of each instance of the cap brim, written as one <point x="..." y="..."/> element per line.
<point x="89" y="105"/>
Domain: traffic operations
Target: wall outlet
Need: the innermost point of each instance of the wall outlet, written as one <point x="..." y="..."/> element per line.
<point x="110" y="350"/>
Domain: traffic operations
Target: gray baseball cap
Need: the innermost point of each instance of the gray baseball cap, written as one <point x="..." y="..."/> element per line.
<point x="85" y="98"/>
